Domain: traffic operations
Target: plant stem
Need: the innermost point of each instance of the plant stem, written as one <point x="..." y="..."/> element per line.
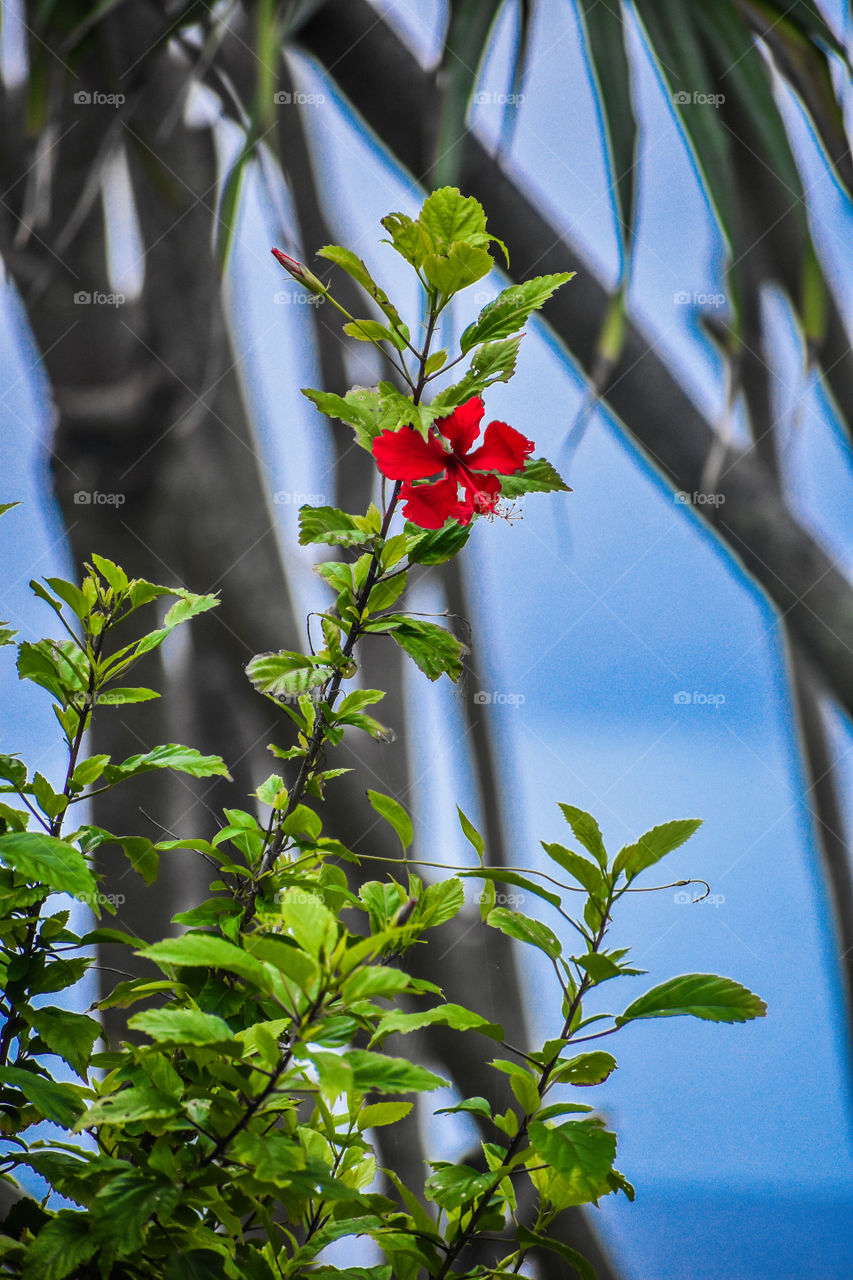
<point x="332" y="688"/>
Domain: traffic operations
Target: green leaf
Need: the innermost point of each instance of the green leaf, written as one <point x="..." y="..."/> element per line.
<point x="436" y="546"/>
<point x="394" y="814"/>
<point x="653" y="846"/>
<point x="605" y="37"/>
<point x="169" y="756"/>
<point x="71" y="595"/>
<point x="44" y="859"/>
<point x="13" y="770"/>
<point x="286" y="675"/>
<point x="204" y="951"/>
<point x="538" y="476"/>
<point x="373" y="331"/>
<point x="198" y="1264"/>
<point x="471" y="834"/>
<point x="354" y="267"/>
<point x="585" y="1069"/>
<point x="440" y="902"/>
<point x="126" y="1204"/>
<point x="443" y="1015"/>
<point x="461" y="266"/>
<point x="584" y="871"/>
<point x="130" y="1105"/>
<point x="310" y="921"/>
<point x="457" y="1184"/>
<point x="182" y="1026"/>
<point x="448" y="216"/>
<point x="331" y="526"/>
<point x="500" y="875"/>
<point x="121" y="697"/>
<point x="7" y="506"/>
<point x="493" y="362"/>
<point x="530" y="1240"/>
<point x="434" y="650"/>
<point x="509" y="311"/>
<point x="587" y="833"/>
<point x="383" y="1074"/>
<point x="582" y="1152"/>
<point x="701" y="995"/>
<point x="62" y="1245"/>
<point x="381" y="1113"/>
<point x="516" y="925"/>
<point x="70" y="1035"/>
<point x="57" y="1102"/>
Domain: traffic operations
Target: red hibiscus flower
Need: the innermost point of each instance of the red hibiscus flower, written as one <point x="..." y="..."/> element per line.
<point x="446" y="461"/>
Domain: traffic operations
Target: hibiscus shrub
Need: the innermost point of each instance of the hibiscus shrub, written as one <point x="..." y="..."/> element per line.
<point x="233" y="1137"/>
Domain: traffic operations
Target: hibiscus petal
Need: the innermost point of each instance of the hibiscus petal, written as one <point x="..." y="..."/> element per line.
<point x="405" y="455"/>
<point x="504" y="450"/>
<point x="462" y="426"/>
<point x="430" y="505"/>
<point x="483" y="494"/>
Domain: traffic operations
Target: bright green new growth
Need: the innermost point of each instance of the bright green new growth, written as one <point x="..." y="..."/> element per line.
<point x="232" y="1138"/>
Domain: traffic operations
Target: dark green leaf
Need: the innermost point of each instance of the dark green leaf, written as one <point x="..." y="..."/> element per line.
<point x="701" y="995"/>
<point x="70" y="1035"/>
<point x="509" y="311"/>
<point x="60" y="1247"/>
<point x="329" y="525"/>
<point x="434" y="650"/>
<point x="457" y="1184"/>
<point x="530" y="1240"/>
<point x="60" y="1103"/>
<point x="169" y="756"/>
<point x="538" y="476"/>
<point x="516" y="925"/>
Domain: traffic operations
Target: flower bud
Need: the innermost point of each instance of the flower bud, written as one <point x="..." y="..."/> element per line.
<point x="299" y="272"/>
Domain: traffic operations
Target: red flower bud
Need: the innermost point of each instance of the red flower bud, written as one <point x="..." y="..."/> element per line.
<point x="299" y="272"/>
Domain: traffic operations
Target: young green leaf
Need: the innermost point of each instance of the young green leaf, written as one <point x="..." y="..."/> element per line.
<point x="582" y="1152"/>
<point x="394" y="814"/>
<point x="653" y="846"/>
<point x="435" y="650"/>
<point x="169" y="756"/>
